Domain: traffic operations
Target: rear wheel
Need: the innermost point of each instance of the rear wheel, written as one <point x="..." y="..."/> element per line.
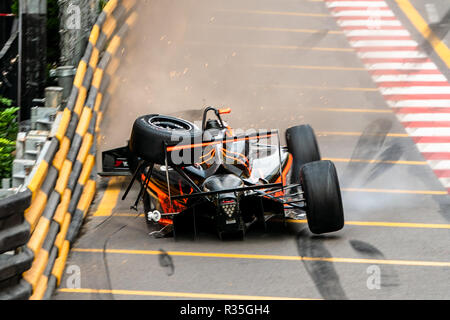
<point x="324" y="210"/>
<point x="152" y="132"/>
<point x="302" y="144"/>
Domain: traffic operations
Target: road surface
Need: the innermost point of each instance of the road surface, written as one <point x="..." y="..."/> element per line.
<point x="276" y="64"/>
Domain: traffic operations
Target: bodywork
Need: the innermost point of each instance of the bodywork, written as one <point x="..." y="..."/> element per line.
<point x="225" y="181"/>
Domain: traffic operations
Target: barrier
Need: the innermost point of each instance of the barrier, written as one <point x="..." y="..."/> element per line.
<point x="14" y="233"/>
<point x="62" y="185"/>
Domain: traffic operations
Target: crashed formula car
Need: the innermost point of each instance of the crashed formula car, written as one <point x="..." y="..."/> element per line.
<point x="214" y="177"/>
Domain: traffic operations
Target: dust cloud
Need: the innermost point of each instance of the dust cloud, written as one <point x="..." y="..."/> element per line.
<point x="179" y="56"/>
<point x="185" y="55"/>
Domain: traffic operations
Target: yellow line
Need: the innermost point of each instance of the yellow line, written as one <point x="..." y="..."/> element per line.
<point x="269" y="257"/>
<point x="294" y="30"/>
<point x="319" y="88"/>
<point x="352" y="110"/>
<point x="268" y="46"/>
<point x="388" y="224"/>
<point x="421" y="25"/>
<point x="128" y="215"/>
<point x="429" y="192"/>
<point x="329" y="68"/>
<point x="349" y="133"/>
<point x="178" y="294"/>
<point x="353" y="223"/>
<point x="404" y="162"/>
<point x="110" y="197"/>
<point x="278" y="13"/>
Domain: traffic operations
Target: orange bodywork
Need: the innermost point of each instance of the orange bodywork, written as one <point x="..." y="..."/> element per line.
<point x="178" y="206"/>
<point x="225" y="111"/>
<point x="282" y="178"/>
<point x="163" y="198"/>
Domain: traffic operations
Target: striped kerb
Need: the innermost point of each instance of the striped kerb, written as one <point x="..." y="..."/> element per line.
<point x="409" y="81"/>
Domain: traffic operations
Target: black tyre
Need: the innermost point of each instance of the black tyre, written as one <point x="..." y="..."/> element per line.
<point x="302" y="144"/>
<point x="324" y="210"/>
<point x="151" y="132"/>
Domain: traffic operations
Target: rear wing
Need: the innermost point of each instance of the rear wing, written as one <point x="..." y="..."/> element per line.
<point x="116" y="162"/>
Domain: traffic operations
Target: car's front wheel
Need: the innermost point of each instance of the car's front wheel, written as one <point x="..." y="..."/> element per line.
<point x="302" y="145"/>
<point x="320" y="184"/>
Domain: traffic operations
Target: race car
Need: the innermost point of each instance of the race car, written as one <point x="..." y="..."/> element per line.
<point x="207" y="175"/>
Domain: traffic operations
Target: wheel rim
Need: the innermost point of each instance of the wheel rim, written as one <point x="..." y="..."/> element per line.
<point x="169" y="124"/>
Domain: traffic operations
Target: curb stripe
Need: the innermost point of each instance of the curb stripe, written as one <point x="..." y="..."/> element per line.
<point x="400" y="83"/>
<point x="404" y="74"/>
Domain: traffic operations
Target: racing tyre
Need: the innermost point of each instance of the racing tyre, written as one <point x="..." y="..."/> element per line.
<point x="151" y="132"/>
<point x="302" y="144"/>
<point x="324" y="210"/>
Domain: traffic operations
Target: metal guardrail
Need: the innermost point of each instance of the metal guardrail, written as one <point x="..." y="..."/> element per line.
<point x="62" y="186"/>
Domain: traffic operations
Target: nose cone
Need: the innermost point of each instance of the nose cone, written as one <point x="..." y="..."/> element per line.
<point x="221" y="182"/>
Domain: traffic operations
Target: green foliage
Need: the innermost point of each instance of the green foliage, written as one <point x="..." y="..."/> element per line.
<point x="102" y="4"/>
<point x="15" y="7"/>
<point x="7" y="149"/>
<point x="5" y="102"/>
<point x="8" y="135"/>
<point x="8" y="124"/>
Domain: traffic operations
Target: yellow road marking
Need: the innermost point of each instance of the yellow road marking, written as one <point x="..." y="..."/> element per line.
<point x="269" y="257"/>
<point x="306" y="67"/>
<point x="178" y="294"/>
<point x="278" y="13"/>
<point x="353" y="110"/>
<point x="268" y="46"/>
<point x="110" y="197"/>
<point x="388" y="224"/>
<point x="128" y="215"/>
<point x="421" y="25"/>
<point x="349" y="133"/>
<point x="429" y="192"/>
<point x="294" y="30"/>
<point x="287" y="86"/>
<point x="413" y="163"/>
<point x="353" y="223"/>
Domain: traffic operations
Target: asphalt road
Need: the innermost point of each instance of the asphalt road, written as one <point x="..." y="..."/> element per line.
<point x="276" y="64"/>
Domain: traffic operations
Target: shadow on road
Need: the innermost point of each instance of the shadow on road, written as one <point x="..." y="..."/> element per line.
<point x="322" y="273"/>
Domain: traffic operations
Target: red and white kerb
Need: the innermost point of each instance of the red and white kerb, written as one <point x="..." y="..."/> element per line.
<point x="409" y="81"/>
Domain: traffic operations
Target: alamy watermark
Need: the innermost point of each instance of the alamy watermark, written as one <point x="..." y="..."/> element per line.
<point x="374" y="280"/>
<point x="232" y="147"/>
<point x="73" y="20"/>
<point x="74" y="279"/>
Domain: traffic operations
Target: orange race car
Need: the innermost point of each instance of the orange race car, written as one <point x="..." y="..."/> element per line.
<point x="217" y="178"/>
